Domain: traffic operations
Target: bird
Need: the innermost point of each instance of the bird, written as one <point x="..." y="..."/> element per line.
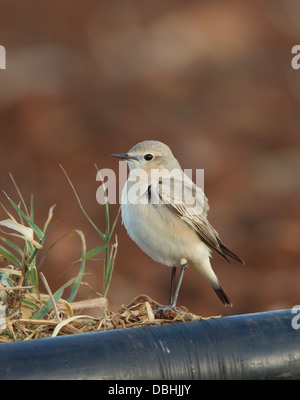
<point x="165" y="214"/>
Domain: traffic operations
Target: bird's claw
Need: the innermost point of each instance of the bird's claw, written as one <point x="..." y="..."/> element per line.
<point x="166" y="312"/>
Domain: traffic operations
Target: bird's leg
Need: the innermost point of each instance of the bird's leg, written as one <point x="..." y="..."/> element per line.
<point x="173" y="298"/>
<point x="183" y="265"/>
<point x="174" y="268"/>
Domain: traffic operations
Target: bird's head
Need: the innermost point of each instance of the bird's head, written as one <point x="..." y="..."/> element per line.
<point x="149" y="155"/>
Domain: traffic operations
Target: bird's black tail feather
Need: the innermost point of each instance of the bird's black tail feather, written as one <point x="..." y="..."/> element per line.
<point x="223" y="296"/>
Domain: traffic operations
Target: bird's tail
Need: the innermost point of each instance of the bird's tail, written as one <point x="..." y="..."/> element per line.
<point x="204" y="267"/>
<point x="222" y="295"/>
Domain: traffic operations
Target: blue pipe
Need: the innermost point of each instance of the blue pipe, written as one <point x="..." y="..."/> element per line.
<point x="251" y="346"/>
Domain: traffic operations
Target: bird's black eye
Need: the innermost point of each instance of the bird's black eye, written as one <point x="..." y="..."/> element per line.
<point x="148" y="157"/>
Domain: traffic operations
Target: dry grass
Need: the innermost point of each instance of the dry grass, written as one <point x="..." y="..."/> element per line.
<point x="64" y="321"/>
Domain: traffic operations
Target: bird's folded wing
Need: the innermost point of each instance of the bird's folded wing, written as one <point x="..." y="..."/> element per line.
<point x="188" y="202"/>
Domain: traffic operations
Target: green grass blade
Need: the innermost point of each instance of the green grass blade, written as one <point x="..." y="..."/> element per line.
<point x="31" y="208"/>
<point x="32" y="225"/>
<point x="19" y="193"/>
<point x="48" y="305"/>
<point x="29" y="304"/>
<point x="107" y="219"/>
<point x="33" y="250"/>
<point x="115" y="223"/>
<point x="78" y="280"/>
<point x="31" y="275"/>
<point x="12" y="245"/>
<point x="7" y="254"/>
<point x="31" y="278"/>
<point x="93" y="252"/>
<point x="108" y="270"/>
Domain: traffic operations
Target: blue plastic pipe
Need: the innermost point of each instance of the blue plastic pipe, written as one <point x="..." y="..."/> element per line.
<point x="252" y="346"/>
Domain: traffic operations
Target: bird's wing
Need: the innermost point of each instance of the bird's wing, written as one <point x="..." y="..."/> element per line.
<point x="189" y="203"/>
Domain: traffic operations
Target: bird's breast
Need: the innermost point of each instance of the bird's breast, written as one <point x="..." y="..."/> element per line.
<point x="158" y="232"/>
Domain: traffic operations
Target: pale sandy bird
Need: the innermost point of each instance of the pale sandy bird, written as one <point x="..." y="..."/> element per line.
<point x="168" y="221"/>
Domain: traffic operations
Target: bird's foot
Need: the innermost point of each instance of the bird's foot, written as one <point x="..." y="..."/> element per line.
<point x="166" y="312"/>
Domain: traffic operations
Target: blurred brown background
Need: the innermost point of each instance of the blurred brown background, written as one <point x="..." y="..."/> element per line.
<point x="212" y="79"/>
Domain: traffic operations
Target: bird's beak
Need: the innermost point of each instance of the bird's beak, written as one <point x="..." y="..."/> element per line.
<point x="125" y="156"/>
<point x="121" y="155"/>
